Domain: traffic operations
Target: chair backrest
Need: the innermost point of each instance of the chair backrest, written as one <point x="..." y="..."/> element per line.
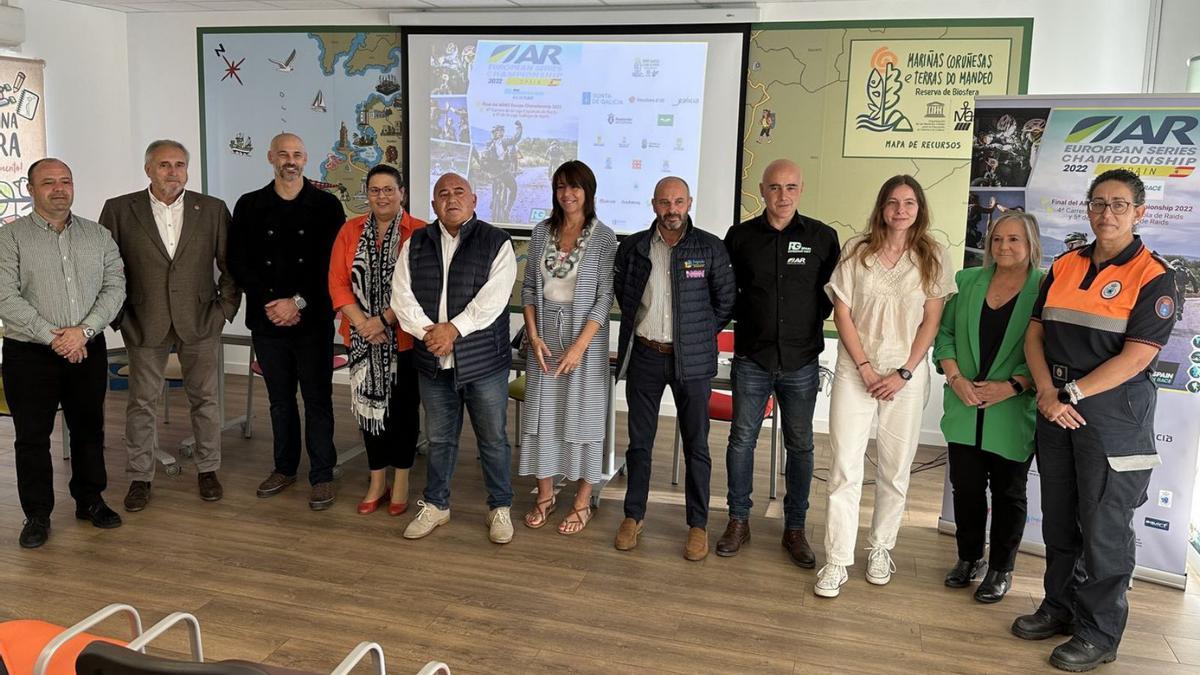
<point x="102" y="658"/>
<point x="725" y="342"/>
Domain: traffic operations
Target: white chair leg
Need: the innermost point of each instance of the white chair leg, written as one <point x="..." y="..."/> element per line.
<point x="776" y="433"/>
<point x="517" y="445"/>
<point x="675" y="458"/>
<point x="775" y="457"/>
<point x="66" y="439"/>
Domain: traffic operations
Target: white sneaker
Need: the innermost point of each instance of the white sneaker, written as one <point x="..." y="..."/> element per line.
<point x="879" y="566"/>
<point x="427" y="520"/>
<point x="830" y="580"/>
<point x="499" y="521"/>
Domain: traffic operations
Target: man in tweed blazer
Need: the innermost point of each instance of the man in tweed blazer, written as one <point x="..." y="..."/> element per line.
<point x="170" y="239"/>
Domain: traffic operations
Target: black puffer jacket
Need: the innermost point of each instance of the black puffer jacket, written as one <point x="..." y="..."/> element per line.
<point x="702" y="296"/>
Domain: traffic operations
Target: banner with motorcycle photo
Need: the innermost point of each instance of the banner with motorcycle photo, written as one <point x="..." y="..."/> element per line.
<point x="1039" y="154"/>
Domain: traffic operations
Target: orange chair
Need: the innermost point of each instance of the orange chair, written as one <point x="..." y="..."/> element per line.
<point x="720" y="408"/>
<point x="41" y="648"/>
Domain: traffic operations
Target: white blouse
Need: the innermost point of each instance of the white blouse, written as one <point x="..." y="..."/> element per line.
<point x="560" y="290"/>
<point x="886" y="305"/>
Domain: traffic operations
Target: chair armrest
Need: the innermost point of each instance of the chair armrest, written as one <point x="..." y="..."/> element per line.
<point x="152" y="633"/>
<point x="135" y="626"/>
<point x="356" y="655"/>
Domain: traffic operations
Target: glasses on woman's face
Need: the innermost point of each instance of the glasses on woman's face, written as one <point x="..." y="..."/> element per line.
<point x="385" y="191"/>
<point x="1119" y="207"/>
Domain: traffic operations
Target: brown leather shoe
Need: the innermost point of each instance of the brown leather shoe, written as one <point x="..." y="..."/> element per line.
<point x="210" y="487"/>
<point x="274" y="484"/>
<point x="138" y="496"/>
<point x="797" y="547"/>
<point x="737" y="532"/>
<point x="322" y="496"/>
<point x="697" y="544"/>
<point x="627" y="534"/>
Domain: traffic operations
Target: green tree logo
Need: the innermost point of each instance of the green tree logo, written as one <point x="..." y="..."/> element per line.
<point x="883" y="95"/>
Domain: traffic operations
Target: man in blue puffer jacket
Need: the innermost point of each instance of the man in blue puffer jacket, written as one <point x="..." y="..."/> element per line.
<point x="676" y="290"/>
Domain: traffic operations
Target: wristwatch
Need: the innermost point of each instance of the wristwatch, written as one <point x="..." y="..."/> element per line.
<point x="1070" y="393"/>
<point x="904" y="373"/>
<point x="299" y="300"/>
<point x="1016" y="385"/>
<point x="88" y="332"/>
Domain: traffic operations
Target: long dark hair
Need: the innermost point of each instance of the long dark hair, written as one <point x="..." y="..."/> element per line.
<point x="576" y="174"/>
<point x="920" y="243"/>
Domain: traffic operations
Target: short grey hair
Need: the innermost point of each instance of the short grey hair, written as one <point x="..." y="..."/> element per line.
<point x="161" y="143"/>
<point x="1033" y="236"/>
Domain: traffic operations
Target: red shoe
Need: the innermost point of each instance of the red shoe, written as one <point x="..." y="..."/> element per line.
<point x="366" y="508"/>
<point x="397" y="508"/>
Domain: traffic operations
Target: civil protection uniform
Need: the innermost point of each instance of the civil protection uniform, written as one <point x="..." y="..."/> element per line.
<point x="1094" y="477"/>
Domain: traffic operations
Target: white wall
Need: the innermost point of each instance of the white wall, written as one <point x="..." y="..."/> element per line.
<point x="1178" y="41"/>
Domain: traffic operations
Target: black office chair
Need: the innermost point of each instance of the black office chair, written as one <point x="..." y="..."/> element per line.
<point x="103" y="658"/>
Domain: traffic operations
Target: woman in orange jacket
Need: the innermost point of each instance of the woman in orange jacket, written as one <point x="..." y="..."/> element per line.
<point x="383" y="383"/>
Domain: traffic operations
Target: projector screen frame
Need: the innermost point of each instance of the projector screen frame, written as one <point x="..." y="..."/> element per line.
<point x="742" y="29"/>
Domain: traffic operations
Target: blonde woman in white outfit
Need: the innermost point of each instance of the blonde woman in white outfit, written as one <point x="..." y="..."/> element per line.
<point x="888" y="290"/>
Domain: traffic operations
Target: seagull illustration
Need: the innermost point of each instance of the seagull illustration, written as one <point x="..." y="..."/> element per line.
<point x="286" y="66"/>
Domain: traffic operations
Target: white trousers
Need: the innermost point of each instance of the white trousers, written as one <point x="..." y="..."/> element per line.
<point x="850" y="415"/>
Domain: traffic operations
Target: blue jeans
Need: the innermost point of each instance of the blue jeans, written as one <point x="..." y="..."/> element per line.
<point x="487" y="401"/>
<point x="796" y="395"/>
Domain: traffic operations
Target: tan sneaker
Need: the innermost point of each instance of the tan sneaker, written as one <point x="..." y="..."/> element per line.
<point x="499" y="521"/>
<point x="696" y="547"/>
<point x="427" y="520"/>
<point x="627" y="534"/>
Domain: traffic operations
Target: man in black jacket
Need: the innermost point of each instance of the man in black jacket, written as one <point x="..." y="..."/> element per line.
<point x="782" y="261"/>
<point x="280" y="241"/>
<point x="676" y="290"/>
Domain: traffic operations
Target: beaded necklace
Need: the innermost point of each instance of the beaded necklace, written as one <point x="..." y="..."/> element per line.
<point x="560" y="265"/>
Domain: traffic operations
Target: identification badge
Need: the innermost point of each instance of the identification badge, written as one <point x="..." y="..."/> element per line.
<point x="798" y="247"/>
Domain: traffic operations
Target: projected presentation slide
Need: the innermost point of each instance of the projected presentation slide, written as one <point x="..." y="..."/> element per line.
<point x="506" y="112"/>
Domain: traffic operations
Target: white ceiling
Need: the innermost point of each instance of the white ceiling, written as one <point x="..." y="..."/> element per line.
<point x="258" y="5"/>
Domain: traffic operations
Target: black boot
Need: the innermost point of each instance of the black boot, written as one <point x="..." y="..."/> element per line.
<point x="994" y="587"/>
<point x="1078" y="655"/>
<point x="964" y="573"/>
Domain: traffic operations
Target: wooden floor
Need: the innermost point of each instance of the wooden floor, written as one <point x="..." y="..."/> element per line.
<point x="274" y="582"/>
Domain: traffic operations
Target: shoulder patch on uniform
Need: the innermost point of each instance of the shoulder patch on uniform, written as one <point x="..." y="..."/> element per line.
<point x="1164" y="307"/>
<point x="1161" y="260"/>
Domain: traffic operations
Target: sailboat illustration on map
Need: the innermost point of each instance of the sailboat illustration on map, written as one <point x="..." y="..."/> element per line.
<point x="318" y="104"/>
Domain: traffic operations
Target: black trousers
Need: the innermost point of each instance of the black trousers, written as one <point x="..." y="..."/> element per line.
<point x="305" y="359"/>
<point x="36" y="382"/>
<point x="649" y="374"/>
<point x="1087" y="524"/>
<point x="396" y="444"/>
<point x="972" y="472"/>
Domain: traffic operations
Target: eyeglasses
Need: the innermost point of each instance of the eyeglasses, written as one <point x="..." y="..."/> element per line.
<point x="1119" y="208"/>
<point x="385" y="191"/>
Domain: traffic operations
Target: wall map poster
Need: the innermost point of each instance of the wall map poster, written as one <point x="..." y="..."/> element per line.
<point x="337" y="88"/>
<point x="848" y="101"/>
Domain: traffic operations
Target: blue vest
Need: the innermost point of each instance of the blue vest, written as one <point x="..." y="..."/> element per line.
<point x="487" y="350"/>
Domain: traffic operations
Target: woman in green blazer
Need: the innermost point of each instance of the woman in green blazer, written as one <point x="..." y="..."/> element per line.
<point x="990" y="409"/>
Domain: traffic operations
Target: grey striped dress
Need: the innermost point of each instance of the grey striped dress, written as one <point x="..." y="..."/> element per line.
<point x="564" y="419"/>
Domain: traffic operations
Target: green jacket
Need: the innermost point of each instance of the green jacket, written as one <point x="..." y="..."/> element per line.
<point x="1007" y="426"/>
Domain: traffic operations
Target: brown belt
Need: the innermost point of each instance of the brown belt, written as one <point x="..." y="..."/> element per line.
<point x="660" y="347"/>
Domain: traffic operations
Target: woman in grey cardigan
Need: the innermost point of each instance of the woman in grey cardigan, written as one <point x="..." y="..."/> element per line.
<point x="567" y="294"/>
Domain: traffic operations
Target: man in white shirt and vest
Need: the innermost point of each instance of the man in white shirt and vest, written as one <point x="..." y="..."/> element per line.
<point x="451" y="289"/>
